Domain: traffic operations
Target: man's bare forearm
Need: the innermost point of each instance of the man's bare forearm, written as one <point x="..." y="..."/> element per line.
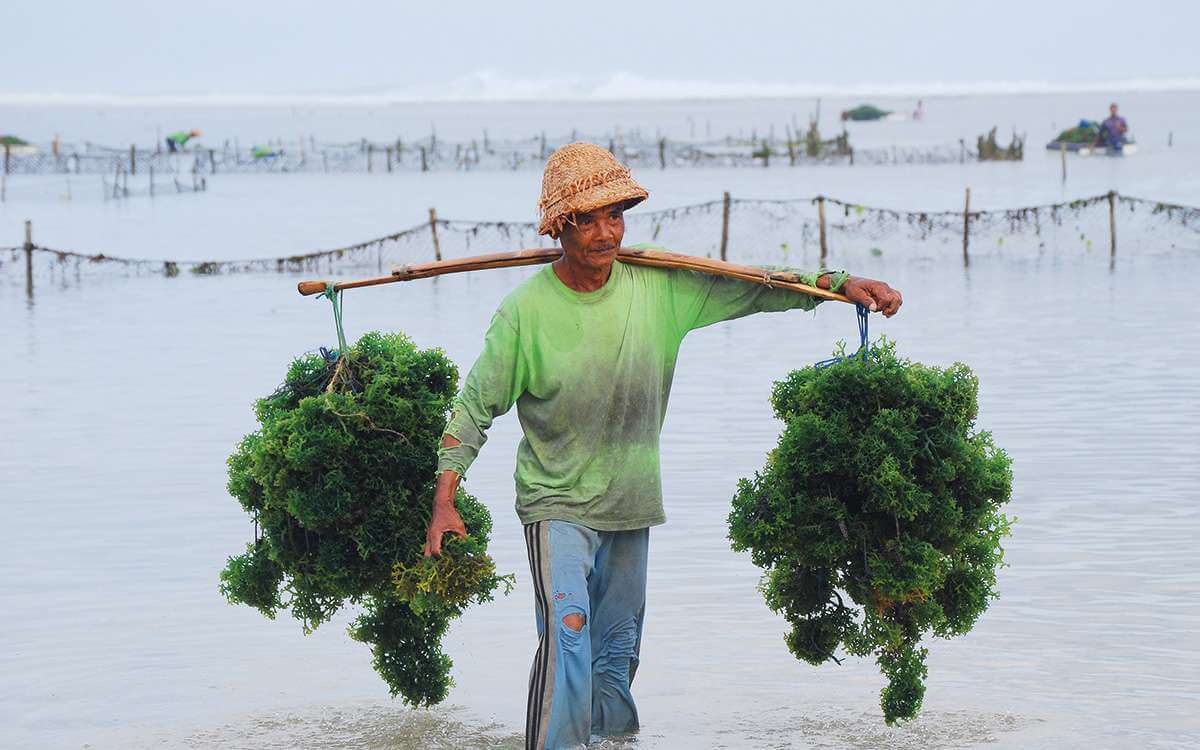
<point x="447" y="482"/>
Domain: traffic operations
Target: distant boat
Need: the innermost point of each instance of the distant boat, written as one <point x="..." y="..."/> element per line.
<point x="865" y="113"/>
<point x="1082" y="140"/>
<point x="1089" y="149"/>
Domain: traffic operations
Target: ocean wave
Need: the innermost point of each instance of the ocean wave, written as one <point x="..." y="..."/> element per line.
<point x="491" y="86"/>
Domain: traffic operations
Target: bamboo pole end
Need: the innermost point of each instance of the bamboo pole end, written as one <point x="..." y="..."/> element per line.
<point x="309" y="288"/>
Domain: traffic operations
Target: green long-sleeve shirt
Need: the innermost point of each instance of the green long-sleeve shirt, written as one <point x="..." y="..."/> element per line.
<point x="590" y="373"/>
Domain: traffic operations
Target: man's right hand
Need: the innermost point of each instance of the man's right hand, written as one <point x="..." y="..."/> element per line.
<point x="445" y="516"/>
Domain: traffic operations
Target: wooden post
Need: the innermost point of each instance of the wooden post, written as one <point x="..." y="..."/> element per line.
<point x="1112" y="229"/>
<point x="725" y="225"/>
<point x="29" y="258"/>
<point x="151" y="180"/>
<point x="1170" y="138"/>
<point x="389" y="158"/>
<point x="370" y="150"/>
<point x="662" y="153"/>
<point x="437" y="247"/>
<point x="7" y="156"/>
<point x="966" y="228"/>
<point x="542" y="153"/>
<point x="424" y="163"/>
<point x="821" y="223"/>
<point x="212" y="161"/>
<point x="132" y="159"/>
<point x="1063" y="150"/>
<point x="852" y="156"/>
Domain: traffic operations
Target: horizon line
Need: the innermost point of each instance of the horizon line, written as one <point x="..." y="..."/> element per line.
<point x="486" y="87"/>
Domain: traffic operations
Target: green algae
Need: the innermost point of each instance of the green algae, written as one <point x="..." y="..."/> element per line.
<point x="877" y="517"/>
<point x="339" y="478"/>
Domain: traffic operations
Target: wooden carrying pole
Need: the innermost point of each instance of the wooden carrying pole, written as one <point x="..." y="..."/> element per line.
<point x="654" y="258"/>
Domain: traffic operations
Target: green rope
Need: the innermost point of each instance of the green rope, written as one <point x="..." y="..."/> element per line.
<point x="334" y="295"/>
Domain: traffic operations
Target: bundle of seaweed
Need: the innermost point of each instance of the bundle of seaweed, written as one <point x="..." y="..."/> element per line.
<point x="339" y="478"/>
<point x="865" y="112"/>
<point x="881" y="490"/>
<point x="990" y="150"/>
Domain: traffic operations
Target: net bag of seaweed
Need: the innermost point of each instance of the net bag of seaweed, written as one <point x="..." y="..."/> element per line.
<point x="339" y="480"/>
<point x="878" y="517"/>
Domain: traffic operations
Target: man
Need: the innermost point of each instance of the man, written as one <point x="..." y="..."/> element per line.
<point x="1112" y="131"/>
<point x="586" y="349"/>
<point x="176" y="141"/>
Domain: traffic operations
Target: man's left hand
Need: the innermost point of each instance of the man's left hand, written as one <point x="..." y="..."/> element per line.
<point x="874" y="295"/>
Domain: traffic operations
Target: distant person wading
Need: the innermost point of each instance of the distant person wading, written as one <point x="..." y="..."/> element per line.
<point x="586" y="349"/>
<point x="176" y="141"/>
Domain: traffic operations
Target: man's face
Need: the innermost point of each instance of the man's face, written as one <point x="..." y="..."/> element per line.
<point x="1112" y="110"/>
<point x="595" y="236"/>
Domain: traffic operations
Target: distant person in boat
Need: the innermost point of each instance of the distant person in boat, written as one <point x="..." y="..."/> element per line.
<point x="1113" y="130"/>
<point x="176" y="141"/>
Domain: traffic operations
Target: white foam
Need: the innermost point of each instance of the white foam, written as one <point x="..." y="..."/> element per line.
<point x="492" y="86"/>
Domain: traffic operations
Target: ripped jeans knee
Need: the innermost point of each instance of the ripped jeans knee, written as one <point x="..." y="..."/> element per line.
<point x="572" y="627"/>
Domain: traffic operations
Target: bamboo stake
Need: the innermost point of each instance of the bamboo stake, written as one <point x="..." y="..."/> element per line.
<point x="725" y="225"/>
<point x="437" y="247"/>
<point x="133" y="159"/>
<point x="29" y="258"/>
<point x="966" y="228"/>
<point x="1112" y="229"/>
<point x="653" y="258"/>
<point x="1063" y="151"/>
<point x="821" y="222"/>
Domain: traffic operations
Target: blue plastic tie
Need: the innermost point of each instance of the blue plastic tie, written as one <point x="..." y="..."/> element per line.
<point x="863" y="316"/>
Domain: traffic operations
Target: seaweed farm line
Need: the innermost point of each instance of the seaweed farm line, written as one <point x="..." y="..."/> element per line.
<point x="432" y="153"/>
<point x="772" y="225"/>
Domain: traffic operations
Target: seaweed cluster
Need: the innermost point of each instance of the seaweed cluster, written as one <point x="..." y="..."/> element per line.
<point x="880" y="489"/>
<point x="339" y="479"/>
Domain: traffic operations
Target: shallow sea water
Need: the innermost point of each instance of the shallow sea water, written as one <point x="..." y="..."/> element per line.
<point x="123" y="397"/>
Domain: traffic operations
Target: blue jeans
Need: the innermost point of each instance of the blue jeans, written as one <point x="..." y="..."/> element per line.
<point x="579" y="684"/>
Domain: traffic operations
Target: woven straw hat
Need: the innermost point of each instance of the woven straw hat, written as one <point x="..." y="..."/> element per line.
<point x="582" y="177"/>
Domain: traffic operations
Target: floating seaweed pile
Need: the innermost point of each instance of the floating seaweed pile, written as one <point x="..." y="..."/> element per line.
<point x="339" y="479"/>
<point x="880" y="490"/>
<point x="989" y="150"/>
<point x="1087" y="131"/>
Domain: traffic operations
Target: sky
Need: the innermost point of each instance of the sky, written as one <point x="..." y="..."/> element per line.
<point x="518" y="49"/>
